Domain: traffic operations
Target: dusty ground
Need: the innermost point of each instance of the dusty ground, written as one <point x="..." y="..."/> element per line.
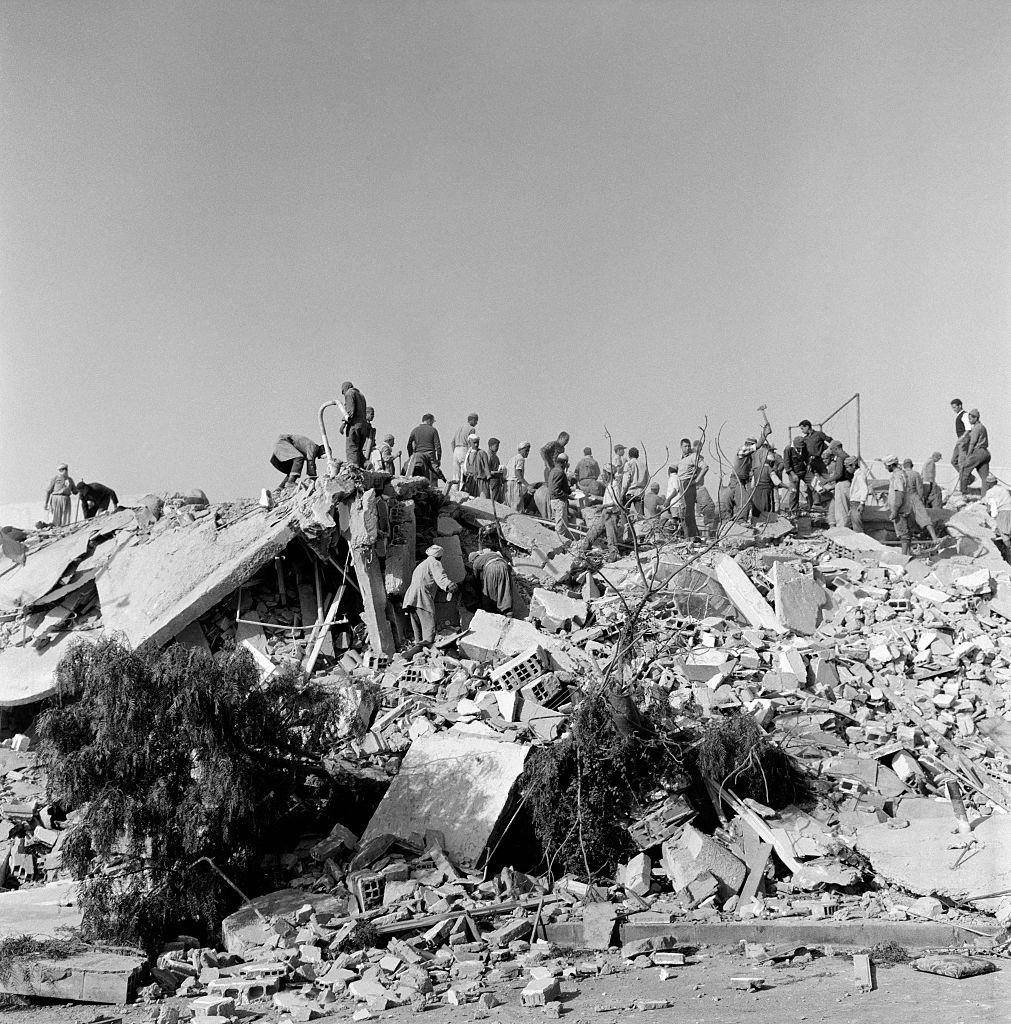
<point x="819" y="991"/>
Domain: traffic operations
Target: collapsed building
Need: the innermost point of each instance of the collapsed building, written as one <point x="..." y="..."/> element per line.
<point x="886" y="679"/>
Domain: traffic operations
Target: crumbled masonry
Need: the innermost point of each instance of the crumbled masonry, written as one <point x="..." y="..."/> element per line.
<point x="885" y="678"/>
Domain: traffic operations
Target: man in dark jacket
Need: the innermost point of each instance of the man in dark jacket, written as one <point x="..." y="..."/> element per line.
<point x="95" y="498"/>
<point x="559" y="491"/>
<point x="355" y="427"/>
<point x="291" y="453"/>
<point x="425" y="439"/>
<point x="815" y="441"/>
<point x="796" y="471"/>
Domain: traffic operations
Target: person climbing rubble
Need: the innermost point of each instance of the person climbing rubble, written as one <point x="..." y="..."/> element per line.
<point x="900" y="505"/>
<point x="292" y="453"/>
<point x="96" y="498"/>
<point x="355" y="425"/>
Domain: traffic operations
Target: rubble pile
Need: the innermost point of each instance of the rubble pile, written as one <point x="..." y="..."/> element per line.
<point x="886" y="678"/>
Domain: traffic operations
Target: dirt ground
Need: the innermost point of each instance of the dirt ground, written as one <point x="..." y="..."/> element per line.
<point x="823" y="990"/>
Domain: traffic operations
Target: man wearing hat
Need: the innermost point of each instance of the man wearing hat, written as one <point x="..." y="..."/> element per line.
<point x="559" y="491"/>
<point x="517" y="487"/>
<point x="419" y="601"/>
<point x="460" y="439"/>
<point x="736" y="494"/>
<point x="494" y="579"/>
<point x="976" y="456"/>
<point x="900" y="505"/>
<point x="58" y="495"/>
<point x="476" y="470"/>
<point x="838" y="476"/>
<point x="355" y="427"/>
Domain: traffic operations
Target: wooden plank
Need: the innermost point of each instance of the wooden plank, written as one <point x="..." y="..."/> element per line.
<point x="744" y="593"/>
<point x="757" y="861"/>
<point x="311" y="612"/>
<point x="84" y="978"/>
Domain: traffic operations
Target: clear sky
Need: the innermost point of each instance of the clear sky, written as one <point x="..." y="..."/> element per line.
<point x="560" y="215"/>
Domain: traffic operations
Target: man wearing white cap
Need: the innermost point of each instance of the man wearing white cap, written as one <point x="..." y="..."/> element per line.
<point x="419" y="601"/>
<point x="58" y="495"/>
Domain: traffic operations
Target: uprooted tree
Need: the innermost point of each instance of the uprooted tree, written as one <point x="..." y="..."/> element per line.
<point x="176" y="755"/>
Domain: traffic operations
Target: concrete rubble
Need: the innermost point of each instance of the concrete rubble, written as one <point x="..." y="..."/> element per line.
<point x="888" y="679"/>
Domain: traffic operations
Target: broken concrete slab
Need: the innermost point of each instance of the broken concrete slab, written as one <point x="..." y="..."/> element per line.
<point x="919" y="858"/>
<point x="91" y="977"/>
<point x="744" y="594"/>
<point x="42" y="911"/>
<point x="553" y="611"/>
<point x="28" y="675"/>
<point x="491" y="637"/>
<point x="244" y="930"/>
<point x="799" y="598"/>
<point x="854" y="543"/>
<point x="452" y="558"/>
<point x="23" y="584"/>
<point x="155" y="587"/>
<point x="456" y="782"/>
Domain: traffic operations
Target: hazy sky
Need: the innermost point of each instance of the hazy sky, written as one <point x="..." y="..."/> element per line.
<point x="561" y="215"/>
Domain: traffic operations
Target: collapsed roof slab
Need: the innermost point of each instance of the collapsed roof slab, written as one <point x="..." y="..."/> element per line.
<point x="28" y="674"/>
<point x="154" y="587"/>
<point x="26" y="584"/>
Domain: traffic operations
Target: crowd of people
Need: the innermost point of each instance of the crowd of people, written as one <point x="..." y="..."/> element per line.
<point x="813" y="473"/>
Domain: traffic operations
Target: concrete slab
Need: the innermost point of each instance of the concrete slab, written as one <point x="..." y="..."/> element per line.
<point x="24" y="584"/>
<point x="492" y="637"/>
<point x="744" y="594"/>
<point x="153" y="588"/>
<point x="85" y="978"/>
<point x="799" y="598"/>
<point x="452" y="558"/>
<point x="27" y="674"/>
<point x="42" y="911"/>
<point x="553" y="611"/>
<point x="919" y="858"/>
<point x="455" y="782"/>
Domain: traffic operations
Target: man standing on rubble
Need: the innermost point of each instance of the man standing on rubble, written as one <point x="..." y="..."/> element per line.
<point x="687" y="471"/>
<point x="551" y="451"/>
<point x="839" y="477"/>
<point x="634" y="479"/>
<point x="932" y="497"/>
<point x="387" y="455"/>
<point x="587" y="475"/>
<point x="559" y="491"/>
<point x="517" y="487"/>
<point x="495" y="471"/>
<point x="899" y="503"/>
<point x="460" y="446"/>
<point x="419" y="601"/>
<point x="494" y="581"/>
<point x="355" y="427"/>
<point x="961" y="430"/>
<point x="424" y="438"/>
<point x="476" y="470"/>
<point x="61" y="487"/>
<point x="796" y="473"/>
<point x="370" y="435"/>
<point x="736" y="495"/>
<point x="976" y="456"/>
<point x="291" y="453"/>
<point x="859" y="492"/>
<point x="917" y="509"/>
<point x="815" y="442"/>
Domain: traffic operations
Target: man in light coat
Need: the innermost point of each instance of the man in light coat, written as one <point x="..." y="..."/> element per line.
<point x="419" y="601"/>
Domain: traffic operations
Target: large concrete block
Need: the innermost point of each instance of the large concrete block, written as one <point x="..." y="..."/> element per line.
<point x="553" y="611"/>
<point x="456" y="782"/>
<point x="693" y="854"/>
<point x="799" y="598"/>
<point x="452" y="558"/>
<point x="494" y="637"/>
